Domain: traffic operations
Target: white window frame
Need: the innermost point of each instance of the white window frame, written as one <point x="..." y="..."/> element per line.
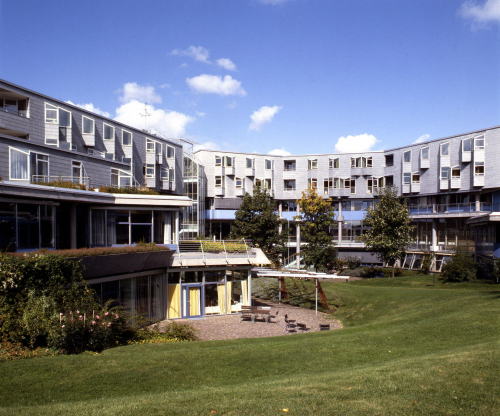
<point x="407" y="178"/>
<point x="459" y="172"/>
<point x="218" y="160"/>
<point x="476" y="139"/>
<point x="289" y="189"/>
<point x="148" y="167"/>
<point x="238" y="182"/>
<point x="445" y="169"/>
<point x="312" y="181"/>
<point x="170" y="149"/>
<point x="471" y="141"/>
<point x="333" y="163"/>
<point x="54" y="108"/>
<point x="131" y="137"/>
<point x="28" y="169"/>
<point x="252" y="161"/>
<point x="83" y="125"/>
<point x="42" y="154"/>
<point x="422" y="153"/>
<point x="477" y="164"/>
<point x="164" y="174"/>
<point x="441" y="145"/>
<point x="413" y="175"/>
<point x="268" y="164"/>
<point x="82" y="170"/>
<point x="59" y="117"/>
<point x="104" y="125"/>
<point x="220" y="181"/>
<point x="312" y="164"/>
<point x="408" y="152"/>
<point x="150" y="145"/>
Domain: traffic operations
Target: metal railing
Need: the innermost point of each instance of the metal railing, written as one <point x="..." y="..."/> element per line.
<point x="213" y="249"/>
<point x="449" y="208"/>
<point x="20" y="113"/>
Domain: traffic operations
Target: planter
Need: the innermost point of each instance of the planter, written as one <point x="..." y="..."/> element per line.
<point x="113" y="264"/>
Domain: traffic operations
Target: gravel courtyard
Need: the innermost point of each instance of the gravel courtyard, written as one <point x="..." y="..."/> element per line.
<point x="232" y="327"/>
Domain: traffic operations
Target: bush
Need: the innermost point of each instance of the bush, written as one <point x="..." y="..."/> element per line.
<point x="460" y="268"/>
<point x="38" y="317"/>
<point x="387" y="271"/>
<point x="353" y="262"/>
<point x="127" y="190"/>
<point x="180" y="331"/>
<point x="372" y="271"/>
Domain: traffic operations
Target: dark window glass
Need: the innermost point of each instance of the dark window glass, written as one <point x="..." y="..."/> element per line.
<point x="28" y="226"/>
<point x="7" y="227"/>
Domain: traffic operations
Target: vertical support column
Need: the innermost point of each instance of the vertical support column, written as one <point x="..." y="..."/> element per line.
<point x="249" y="287"/>
<point x="340" y="222"/>
<point x="434" y="236"/>
<point x="280" y="211"/>
<point x="477" y="202"/>
<point x="176" y="228"/>
<point x="72" y="227"/>
<point x="167" y="228"/>
<point x="298" y="237"/>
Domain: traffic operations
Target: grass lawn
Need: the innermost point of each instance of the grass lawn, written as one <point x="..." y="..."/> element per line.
<point x="408" y="348"/>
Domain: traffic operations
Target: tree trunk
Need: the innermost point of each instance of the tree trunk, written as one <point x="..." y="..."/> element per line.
<point x="393" y="271"/>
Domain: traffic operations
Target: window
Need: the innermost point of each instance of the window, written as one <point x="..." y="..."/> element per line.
<point x="228" y="161"/>
<point x="158" y="148"/>
<point x="18" y="161"/>
<point x="337" y="183"/>
<point x="369" y="162"/>
<point x="289" y="165"/>
<point x="170" y="152"/>
<point x="445" y="172"/>
<point x="267" y="184"/>
<point x="150" y="146"/>
<point x="327" y="185"/>
<point x="164" y="174"/>
<point x="238" y="183"/>
<point x="415" y="178"/>
<point x="39" y="166"/>
<point x="289" y="184"/>
<point x="407" y="156"/>
<point x="347" y="183"/>
<point x="249" y="164"/>
<point x="361" y="162"/>
<point x="455" y="172"/>
<point x="313" y="183"/>
<point x="389" y="181"/>
<point x="424" y="153"/>
<point x="88" y="125"/>
<point x="353" y="185"/>
<point x="77" y="172"/>
<point x="389" y="160"/>
<point x="269" y="164"/>
<point x="51" y="114"/>
<point x="218" y="160"/>
<point x="445" y="149"/>
<point x="467" y="145"/>
<point x="334" y="163"/>
<point x="64" y="118"/>
<point x="149" y="170"/>
<point x="120" y="178"/>
<point x="479" y="142"/>
<point x="219" y="181"/>
<point x="126" y="138"/>
<point x="372" y="185"/>
<point x="312" y="164"/>
<point x="406" y="178"/>
<point x="108" y="132"/>
<point x="479" y="168"/>
<point x="171" y="174"/>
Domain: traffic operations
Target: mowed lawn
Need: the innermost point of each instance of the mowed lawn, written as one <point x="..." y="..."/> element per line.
<point x="408" y="348"/>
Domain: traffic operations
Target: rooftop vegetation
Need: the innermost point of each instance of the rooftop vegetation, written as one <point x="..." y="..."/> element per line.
<point x="95" y="251"/>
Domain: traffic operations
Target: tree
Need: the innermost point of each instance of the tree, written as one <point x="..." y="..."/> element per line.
<point x="316" y="221"/>
<point x="257" y="220"/>
<point x="389" y="229"/>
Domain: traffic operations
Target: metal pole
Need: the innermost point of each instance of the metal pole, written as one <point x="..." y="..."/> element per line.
<point x="316" y="299"/>
<point x="279" y="289"/>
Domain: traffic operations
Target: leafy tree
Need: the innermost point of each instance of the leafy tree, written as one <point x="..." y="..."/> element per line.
<point x="460" y="268"/>
<point x="257" y="220"/>
<point x="389" y="229"/>
<point x="316" y="220"/>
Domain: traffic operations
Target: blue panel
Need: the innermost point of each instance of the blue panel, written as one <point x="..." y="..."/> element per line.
<point x="353" y="215"/>
<point x="496" y="201"/>
<point x="289" y="215"/>
<point x="220" y="214"/>
<point x="229" y="214"/>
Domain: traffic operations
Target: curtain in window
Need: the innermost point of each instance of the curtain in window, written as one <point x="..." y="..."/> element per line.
<point x="18" y="164"/>
<point x="244" y="293"/>
<point x="221" y="294"/>
<point x="174" y="301"/>
<point x="229" y="288"/>
<point x="98" y="228"/>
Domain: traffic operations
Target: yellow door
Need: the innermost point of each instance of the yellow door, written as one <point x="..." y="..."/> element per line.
<point x="194" y="301"/>
<point x="174" y="301"/>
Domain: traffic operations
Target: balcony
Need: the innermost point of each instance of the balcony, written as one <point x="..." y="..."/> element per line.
<point x="478" y="180"/>
<point x="239" y="191"/>
<point x="250" y="172"/>
<point x="219" y="191"/>
<point x="459" y="208"/>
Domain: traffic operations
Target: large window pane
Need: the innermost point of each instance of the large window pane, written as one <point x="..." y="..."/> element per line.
<point x="47" y="226"/>
<point x="28" y="226"/>
<point x="141" y="297"/>
<point x="18" y="164"/>
<point x="7" y="227"/>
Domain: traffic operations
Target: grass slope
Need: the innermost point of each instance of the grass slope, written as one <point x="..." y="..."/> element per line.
<point x="408" y="348"/>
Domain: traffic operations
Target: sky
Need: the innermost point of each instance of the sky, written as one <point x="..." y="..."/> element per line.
<point x="279" y="76"/>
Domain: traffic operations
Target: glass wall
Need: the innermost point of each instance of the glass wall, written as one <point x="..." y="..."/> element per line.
<point x="26" y="226"/>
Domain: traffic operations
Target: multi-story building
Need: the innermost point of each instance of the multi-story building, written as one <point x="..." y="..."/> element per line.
<point x="451" y="186"/>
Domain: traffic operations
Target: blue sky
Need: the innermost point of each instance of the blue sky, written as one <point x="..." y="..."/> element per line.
<point x="309" y="71"/>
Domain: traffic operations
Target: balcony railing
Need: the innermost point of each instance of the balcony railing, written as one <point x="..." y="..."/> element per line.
<point x="20" y="113"/>
<point x="449" y="208"/>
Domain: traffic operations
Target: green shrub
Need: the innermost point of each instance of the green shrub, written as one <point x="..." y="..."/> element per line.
<point x="460" y="268"/>
<point x="127" y="190"/>
<point x="352" y="262"/>
<point x="180" y="331"/>
<point x="387" y="271"/>
<point x="219" y="246"/>
<point x="63" y="184"/>
<point x="426" y="263"/>
<point x="372" y="271"/>
<point x="39" y="316"/>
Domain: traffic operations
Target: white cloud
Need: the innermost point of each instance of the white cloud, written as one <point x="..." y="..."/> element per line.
<point x="213" y="84"/>
<point x="145" y="93"/>
<point x="423" y="138"/>
<point x="355" y="144"/>
<point x="487" y="12"/>
<point x="263" y="115"/>
<point x="208" y="145"/>
<point x="163" y="122"/>
<point x="91" y="107"/>
<point x="273" y="2"/>
<point x="279" y="152"/>
<point x="226" y="63"/>
<point x="198" y="53"/>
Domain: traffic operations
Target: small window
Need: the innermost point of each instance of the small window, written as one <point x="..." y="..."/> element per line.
<point x="467" y="145"/>
<point x="289" y="184"/>
<point x="108" y="132"/>
<point x="312" y="164"/>
<point x="389" y="160"/>
<point x="334" y="163"/>
<point x="77" y="172"/>
<point x="171" y="174"/>
<point x="369" y="162"/>
<point x="149" y="170"/>
<point x="289" y="165"/>
<point x="126" y="138"/>
<point x="64" y="118"/>
<point x="88" y="125"/>
<point x="219" y="181"/>
<point x="445" y="149"/>
<point x="51" y="114"/>
<point x="313" y="183"/>
<point x="170" y="152"/>
<point x="269" y="164"/>
<point x="455" y="172"/>
<point x="445" y="172"/>
<point x="249" y="163"/>
<point x="389" y="181"/>
<point x="415" y="178"/>
<point x="228" y="161"/>
<point x="424" y="153"/>
<point x="150" y="146"/>
<point x="267" y="184"/>
<point x="479" y="168"/>
<point x="238" y="182"/>
<point x="19" y="168"/>
<point x="164" y="174"/>
<point x="407" y="156"/>
<point x="327" y="185"/>
<point x="347" y="183"/>
<point x="479" y="142"/>
<point x="158" y="148"/>
<point x="218" y="160"/>
<point x="406" y="178"/>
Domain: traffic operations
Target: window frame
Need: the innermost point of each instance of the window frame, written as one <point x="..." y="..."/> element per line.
<point x="422" y="149"/>
<point x="477" y="165"/>
<point x="83" y="125"/>
<point x="51" y="120"/>
<point x="477" y="139"/>
<point x="312" y="164"/>
<point x="104" y="125"/>
<point x="407" y="152"/>
<point x="218" y="181"/>
<point x="131" y="137"/>
<point x="59" y="117"/>
<point x="445" y="145"/>
<point x="150" y="146"/>
<point x="148" y="167"/>
<point x="28" y="167"/>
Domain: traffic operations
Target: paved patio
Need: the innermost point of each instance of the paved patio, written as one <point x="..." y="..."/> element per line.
<point x="231" y="326"/>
